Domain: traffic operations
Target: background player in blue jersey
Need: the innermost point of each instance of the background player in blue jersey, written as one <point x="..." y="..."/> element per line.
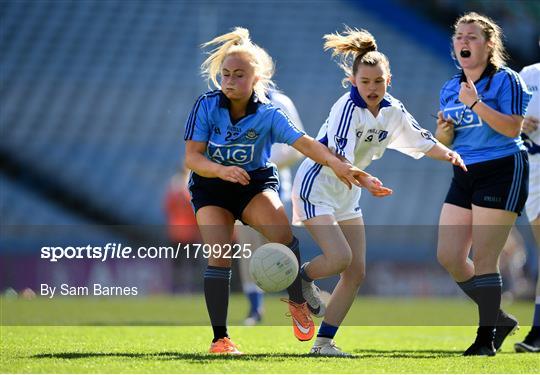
<point x="481" y="112"/>
<point x="362" y="124"/>
<point x="229" y="134"/>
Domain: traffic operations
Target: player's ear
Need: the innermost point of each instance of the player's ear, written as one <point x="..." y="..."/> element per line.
<point x="351" y="80"/>
<point x="389" y="80"/>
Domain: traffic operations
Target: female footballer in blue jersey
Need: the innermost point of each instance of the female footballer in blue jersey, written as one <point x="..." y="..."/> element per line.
<point x="229" y="134"/>
<point x="283" y="156"/>
<point x="362" y="124"/>
<point x="481" y="113"/>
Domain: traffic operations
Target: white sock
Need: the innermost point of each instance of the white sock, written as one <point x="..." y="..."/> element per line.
<point x="320" y="341"/>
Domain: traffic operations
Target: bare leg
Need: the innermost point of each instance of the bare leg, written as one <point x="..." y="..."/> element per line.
<point x="455" y="239"/>
<point x="352" y="277"/>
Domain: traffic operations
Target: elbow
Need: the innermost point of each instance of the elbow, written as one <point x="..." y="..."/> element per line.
<point x="188" y="161"/>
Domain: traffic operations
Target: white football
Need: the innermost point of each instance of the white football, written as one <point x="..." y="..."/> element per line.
<point x="273" y="267"/>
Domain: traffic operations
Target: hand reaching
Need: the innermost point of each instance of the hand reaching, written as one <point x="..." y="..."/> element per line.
<point x="374" y="186"/>
<point x="454" y="158"/>
<point x="234" y="174"/>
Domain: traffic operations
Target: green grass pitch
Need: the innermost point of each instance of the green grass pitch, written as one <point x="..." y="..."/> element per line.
<point x="99" y="346"/>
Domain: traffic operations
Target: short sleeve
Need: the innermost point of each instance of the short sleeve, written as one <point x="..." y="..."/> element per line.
<point x="410" y="139"/>
<point x="513" y="95"/>
<point x="197" y="125"/>
<point x="341" y="130"/>
<point x="283" y="130"/>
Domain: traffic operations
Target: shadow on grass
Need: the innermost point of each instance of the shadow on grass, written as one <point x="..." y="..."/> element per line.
<point x="168" y="356"/>
<point x="400" y="353"/>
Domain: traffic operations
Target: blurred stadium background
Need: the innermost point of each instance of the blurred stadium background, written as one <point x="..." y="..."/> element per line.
<point x="94" y="95"/>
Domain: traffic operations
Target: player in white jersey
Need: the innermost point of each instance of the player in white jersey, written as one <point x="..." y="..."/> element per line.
<point x="361" y="125"/>
<point x="531" y="137"/>
<point x="283" y="156"/>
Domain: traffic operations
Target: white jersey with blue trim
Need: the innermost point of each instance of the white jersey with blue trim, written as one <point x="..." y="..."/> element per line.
<point x="245" y="143"/>
<point x="501" y="89"/>
<point x="353" y="132"/>
<point x="531" y="76"/>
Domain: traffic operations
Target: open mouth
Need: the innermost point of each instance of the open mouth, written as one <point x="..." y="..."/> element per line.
<point x="465" y="53"/>
<point x="372" y="96"/>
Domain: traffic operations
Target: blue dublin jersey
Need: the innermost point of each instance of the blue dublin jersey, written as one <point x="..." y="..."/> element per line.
<point x="501" y="89"/>
<point x="245" y="143"/>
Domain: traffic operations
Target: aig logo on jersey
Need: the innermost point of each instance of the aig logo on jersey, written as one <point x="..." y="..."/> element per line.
<point x="462" y="117"/>
<point x="238" y="154"/>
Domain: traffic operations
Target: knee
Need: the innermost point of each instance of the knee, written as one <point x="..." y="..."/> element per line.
<point x="446" y="259"/>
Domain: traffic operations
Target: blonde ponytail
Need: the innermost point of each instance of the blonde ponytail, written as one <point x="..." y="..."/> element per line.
<point x="238" y="41"/>
<point x="354" y="47"/>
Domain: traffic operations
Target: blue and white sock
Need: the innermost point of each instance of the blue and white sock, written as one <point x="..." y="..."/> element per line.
<point x="326" y="333"/>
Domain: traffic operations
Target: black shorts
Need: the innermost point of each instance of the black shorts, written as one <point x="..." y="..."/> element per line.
<point x="499" y="183"/>
<point x="229" y="195"/>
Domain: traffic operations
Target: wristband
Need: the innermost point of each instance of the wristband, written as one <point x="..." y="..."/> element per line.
<point x="475" y="103"/>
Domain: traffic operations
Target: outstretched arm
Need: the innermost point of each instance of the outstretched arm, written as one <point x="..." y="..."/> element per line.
<point x="441" y="152"/>
<point x="346" y="172"/>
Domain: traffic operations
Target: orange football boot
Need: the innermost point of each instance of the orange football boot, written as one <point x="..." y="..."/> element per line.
<point x="303" y="325"/>
<point x="224" y="346"/>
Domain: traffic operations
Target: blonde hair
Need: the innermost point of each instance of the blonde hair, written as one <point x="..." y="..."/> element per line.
<point x="355" y="47"/>
<point x="238" y="41"/>
<point x="492" y="32"/>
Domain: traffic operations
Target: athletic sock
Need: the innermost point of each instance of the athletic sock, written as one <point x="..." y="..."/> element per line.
<point x="327" y="331"/>
<point x="295" y="290"/>
<point x="469" y="288"/>
<point x="216" y="292"/>
<point x="303" y="273"/>
<point x="488" y="293"/>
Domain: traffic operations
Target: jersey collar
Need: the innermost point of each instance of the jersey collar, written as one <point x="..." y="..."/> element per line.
<point x="488" y="72"/>
<point x="252" y="105"/>
<point x="359" y="102"/>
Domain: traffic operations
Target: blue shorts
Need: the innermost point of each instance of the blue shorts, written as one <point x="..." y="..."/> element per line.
<point x="229" y="195"/>
<point x="499" y="183"/>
